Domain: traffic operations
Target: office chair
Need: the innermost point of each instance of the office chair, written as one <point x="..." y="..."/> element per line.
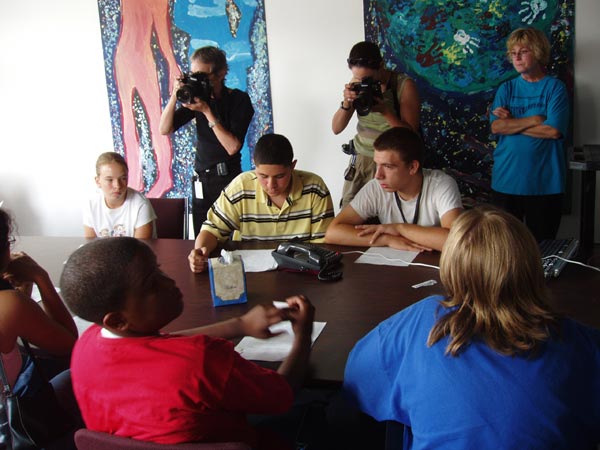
<point x="95" y="440"/>
<point x="172" y="217"/>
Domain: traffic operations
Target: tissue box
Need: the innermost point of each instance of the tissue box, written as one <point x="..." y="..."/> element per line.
<point x="227" y="281"/>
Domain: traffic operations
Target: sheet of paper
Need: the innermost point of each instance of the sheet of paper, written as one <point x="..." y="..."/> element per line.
<point x="257" y="260"/>
<point x="385" y="256"/>
<point x="275" y="348"/>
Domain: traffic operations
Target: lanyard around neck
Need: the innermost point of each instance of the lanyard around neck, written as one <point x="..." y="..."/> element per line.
<point x="417" y="206"/>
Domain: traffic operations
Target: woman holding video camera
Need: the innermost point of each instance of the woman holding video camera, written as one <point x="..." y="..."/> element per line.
<point x="382" y="99"/>
<point x="222" y="120"/>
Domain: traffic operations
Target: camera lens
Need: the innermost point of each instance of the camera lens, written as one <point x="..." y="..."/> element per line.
<point x="185" y="94"/>
<point x="363" y="105"/>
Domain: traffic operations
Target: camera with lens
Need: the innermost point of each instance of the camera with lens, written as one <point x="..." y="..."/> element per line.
<point x="367" y="90"/>
<point x="194" y="85"/>
<point x="348" y="148"/>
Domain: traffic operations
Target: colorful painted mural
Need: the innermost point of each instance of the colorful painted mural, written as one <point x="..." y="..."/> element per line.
<point x="147" y="43"/>
<point x="456" y="53"/>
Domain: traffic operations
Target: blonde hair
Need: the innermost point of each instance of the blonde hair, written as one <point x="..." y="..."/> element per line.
<point x="108" y="158"/>
<point x="533" y="39"/>
<point x="491" y="269"/>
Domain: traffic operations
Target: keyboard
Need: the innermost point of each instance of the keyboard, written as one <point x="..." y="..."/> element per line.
<point x="565" y="248"/>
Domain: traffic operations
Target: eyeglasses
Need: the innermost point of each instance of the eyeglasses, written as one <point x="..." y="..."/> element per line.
<point x="520" y="54"/>
<point x="9" y="243"/>
<point x="364" y="62"/>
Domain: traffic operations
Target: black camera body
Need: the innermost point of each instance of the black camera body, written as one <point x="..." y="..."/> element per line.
<point x="348" y="148"/>
<point x="367" y="90"/>
<point x="195" y="85"/>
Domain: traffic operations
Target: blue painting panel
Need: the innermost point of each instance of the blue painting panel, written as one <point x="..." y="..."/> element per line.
<point x="146" y="44"/>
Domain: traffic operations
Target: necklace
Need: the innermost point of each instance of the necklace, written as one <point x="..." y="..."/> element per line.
<point x="417" y="206"/>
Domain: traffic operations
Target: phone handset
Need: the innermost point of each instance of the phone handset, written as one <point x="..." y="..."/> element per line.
<point x="308" y="257"/>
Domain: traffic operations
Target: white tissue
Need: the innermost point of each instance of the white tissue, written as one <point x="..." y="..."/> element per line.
<point x="227" y="257"/>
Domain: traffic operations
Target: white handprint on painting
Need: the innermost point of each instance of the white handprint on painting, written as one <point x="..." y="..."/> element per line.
<point x="532" y="9"/>
<point x="466" y="41"/>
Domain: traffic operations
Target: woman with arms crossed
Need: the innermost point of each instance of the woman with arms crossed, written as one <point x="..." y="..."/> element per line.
<point x="530" y="115"/>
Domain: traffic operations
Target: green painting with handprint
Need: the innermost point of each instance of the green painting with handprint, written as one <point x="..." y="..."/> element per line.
<point x="456" y="52"/>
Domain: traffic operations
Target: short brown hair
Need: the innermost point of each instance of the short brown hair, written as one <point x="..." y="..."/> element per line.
<point x="213" y="56"/>
<point x="273" y="149"/>
<point x="533" y="39"/>
<point x="404" y="141"/>
<point x="492" y="271"/>
<point x="108" y="158"/>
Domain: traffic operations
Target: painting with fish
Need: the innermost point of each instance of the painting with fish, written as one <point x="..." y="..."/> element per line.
<point x="456" y="53"/>
<point x="146" y="43"/>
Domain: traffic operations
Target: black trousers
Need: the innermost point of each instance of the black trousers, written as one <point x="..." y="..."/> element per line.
<point x="212" y="185"/>
<point x="541" y="213"/>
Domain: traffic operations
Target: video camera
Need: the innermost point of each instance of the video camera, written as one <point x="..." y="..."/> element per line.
<point x="367" y="90"/>
<point x="195" y="85"/>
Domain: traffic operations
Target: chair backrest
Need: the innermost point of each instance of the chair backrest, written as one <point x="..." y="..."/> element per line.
<point x="171" y="217"/>
<point x="94" y="440"/>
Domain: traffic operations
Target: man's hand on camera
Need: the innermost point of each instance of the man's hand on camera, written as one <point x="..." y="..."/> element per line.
<point x="198" y="105"/>
<point x="176" y="86"/>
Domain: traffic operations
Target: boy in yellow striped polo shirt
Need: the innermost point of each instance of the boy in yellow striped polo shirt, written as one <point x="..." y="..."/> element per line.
<point x="272" y="202"/>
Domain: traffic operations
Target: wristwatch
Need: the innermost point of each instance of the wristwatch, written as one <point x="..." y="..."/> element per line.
<point x="211" y="125"/>
<point x="342" y="106"/>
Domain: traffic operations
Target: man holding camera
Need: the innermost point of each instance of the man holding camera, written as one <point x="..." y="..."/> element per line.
<point x="382" y="99"/>
<point x="222" y="119"/>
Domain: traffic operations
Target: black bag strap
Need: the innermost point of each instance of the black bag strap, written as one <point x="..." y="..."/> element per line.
<point x="394" y="88"/>
<point x="6" y="389"/>
<point x="7" y="393"/>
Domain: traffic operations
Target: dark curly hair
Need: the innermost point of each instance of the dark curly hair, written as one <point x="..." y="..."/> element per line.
<point x="5" y="229"/>
<point x="97" y="277"/>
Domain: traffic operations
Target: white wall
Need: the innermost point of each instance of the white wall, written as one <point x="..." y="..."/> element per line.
<point x="55" y="118"/>
<point x="587" y="88"/>
<point x="54" y="114"/>
<point x="308" y="76"/>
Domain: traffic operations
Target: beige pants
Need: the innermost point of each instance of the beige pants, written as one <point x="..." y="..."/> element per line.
<point x="365" y="171"/>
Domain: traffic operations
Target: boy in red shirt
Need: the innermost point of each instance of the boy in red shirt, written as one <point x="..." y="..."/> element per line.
<point x="133" y="381"/>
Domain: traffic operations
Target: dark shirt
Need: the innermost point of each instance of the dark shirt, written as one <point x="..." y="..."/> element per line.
<point x="234" y="112"/>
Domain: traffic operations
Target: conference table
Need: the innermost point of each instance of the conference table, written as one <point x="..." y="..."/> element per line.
<point x="366" y="295"/>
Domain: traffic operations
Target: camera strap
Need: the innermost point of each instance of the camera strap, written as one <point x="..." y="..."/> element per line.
<point x="393" y="86"/>
<point x="417" y="206"/>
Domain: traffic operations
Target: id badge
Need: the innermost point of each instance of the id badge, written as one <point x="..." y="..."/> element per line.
<point x="198" y="193"/>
